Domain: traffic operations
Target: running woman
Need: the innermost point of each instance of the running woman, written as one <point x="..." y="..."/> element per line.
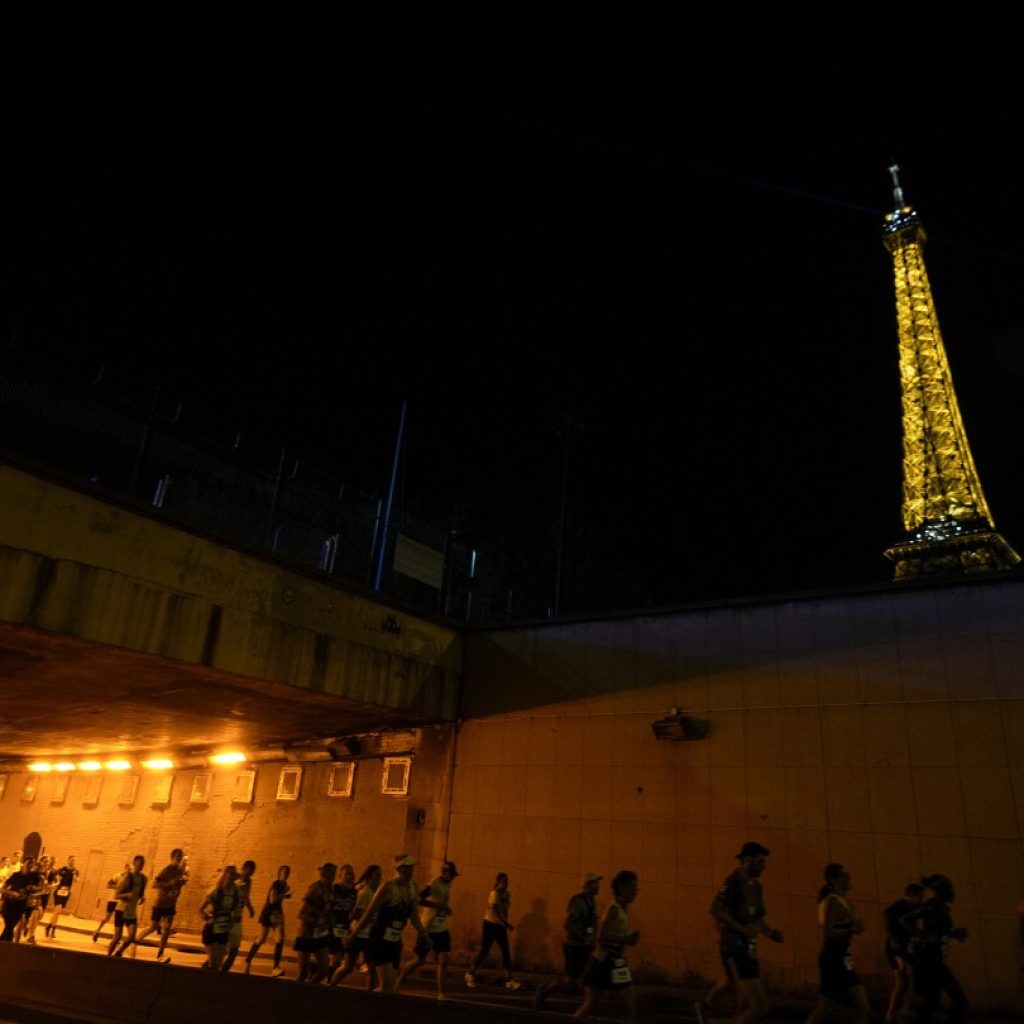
<point x="244" y="885"/>
<point x="839" y="981"/>
<point x="931" y="924"/>
<point x="218" y="911"/>
<point x="739" y="912"/>
<point x="131" y="891"/>
<point x="436" y="897"/>
<point x="394" y="904"/>
<point x="580" y="936"/>
<point x="271" y="919"/>
<point x="496" y="929"/>
<point x="361" y="927"/>
<point x="112" y="883"/>
<point x="168" y="884"/>
<point x="899" y="951"/>
<point x="343" y="901"/>
<point x="607" y="969"/>
<point x="65" y="878"/>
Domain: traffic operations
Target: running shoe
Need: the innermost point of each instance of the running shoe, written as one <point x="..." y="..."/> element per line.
<point x="163" y="959"/>
<point x="277" y="972"/>
<point x="698" y="1012"/>
<point x="470" y="980"/>
<point x="513" y="984"/>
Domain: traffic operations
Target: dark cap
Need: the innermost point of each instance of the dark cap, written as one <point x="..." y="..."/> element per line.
<point x="752" y="850"/>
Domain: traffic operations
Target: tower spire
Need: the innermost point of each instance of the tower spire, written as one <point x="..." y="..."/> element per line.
<point x="949" y="527"/>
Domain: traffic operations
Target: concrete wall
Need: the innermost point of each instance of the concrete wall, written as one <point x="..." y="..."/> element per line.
<point x="883" y="730"/>
<point x="77" y="565"/>
<point x="366" y="828"/>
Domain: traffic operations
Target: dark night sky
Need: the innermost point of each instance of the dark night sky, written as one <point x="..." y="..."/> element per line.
<point x="669" y="229"/>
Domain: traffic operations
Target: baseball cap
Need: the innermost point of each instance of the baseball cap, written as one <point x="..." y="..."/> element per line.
<point x="404" y="860"/>
<point x="752" y="850"/>
<point x="591" y="877"/>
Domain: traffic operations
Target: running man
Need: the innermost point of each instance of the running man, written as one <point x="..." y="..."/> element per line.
<point x="343" y="901"/>
<point x="65" y="878"/>
<point x="168" y="888"/>
<point x="580" y="936"/>
<point x="436" y="897"/>
<point x="131" y="891"/>
<point x="739" y="912"/>
<point x="315" y="925"/>
<point x="495" y="930"/>
<point x="898" y="948"/>
<point x="394" y="905"/>
<point x="112" y="883"/>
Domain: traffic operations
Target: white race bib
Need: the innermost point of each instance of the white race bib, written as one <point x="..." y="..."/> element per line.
<point x="620" y="972"/>
<point x="394" y="933"/>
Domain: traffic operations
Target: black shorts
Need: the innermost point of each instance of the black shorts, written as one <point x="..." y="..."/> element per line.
<point x="44" y="901"/>
<point x="307" y="944"/>
<point x="440" y="942"/>
<point x="335" y="944"/>
<point x="111" y="906"/>
<point x="120" y="920"/>
<point x="600" y="974"/>
<point x="739" y="964"/>
<point x="61" y="901"/>
<point x="271" y="918"/>
<point x="357" y="945"/>
<point x="380" y="952"/>
<point x="576" y="958"/>
<point x="159" y="913"/>
<point x="836" y="977"/>
<point x="212" y="938"/>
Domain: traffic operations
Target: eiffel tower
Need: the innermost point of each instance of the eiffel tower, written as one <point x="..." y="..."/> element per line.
<point x="950" y="531"/>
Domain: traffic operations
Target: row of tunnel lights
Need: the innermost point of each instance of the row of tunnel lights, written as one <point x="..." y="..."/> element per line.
<point x="122" y="764"/>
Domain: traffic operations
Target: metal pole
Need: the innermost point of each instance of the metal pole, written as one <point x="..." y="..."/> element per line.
<point x="382" y="547"/>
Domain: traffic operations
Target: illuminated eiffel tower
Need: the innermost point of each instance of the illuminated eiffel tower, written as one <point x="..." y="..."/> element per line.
<point x="949" y="527"/>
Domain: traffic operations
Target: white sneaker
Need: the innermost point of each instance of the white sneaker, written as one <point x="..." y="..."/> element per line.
<point x="513" y="984"/>
<point x="277" y="972"/>
<point x="470" y="980"/>
<point x="364" y="969"/>
<point x="163" y="959"/>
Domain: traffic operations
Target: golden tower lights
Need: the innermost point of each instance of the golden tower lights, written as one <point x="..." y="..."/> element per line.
<point x="949" y="527"/>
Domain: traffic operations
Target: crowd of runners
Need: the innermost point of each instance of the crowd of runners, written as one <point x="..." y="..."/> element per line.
<point x="345" y="923"/>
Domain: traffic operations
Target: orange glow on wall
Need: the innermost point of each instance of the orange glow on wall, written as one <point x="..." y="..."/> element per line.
<point x="158" y="763"/>
<point x="117" y="766"/>
<point x="89" y="766"/>
<point x="40" y="766"/>
<point x="229" y="757"/>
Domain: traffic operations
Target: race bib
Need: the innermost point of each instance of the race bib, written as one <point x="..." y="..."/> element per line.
<point x="394" y="933"/>
<point x="319" y="933"/>
<point x="848" y="962"/>
<point x="752" y="949"/>
<point x="222" y="923"/>
<point x="339" y="930"/>
<point x="620" y="972"/>
<point x="64" y="891"/>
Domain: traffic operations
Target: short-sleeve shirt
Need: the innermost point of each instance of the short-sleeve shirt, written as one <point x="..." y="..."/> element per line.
<point x="896" y="935"/>
<point x="363" y="900"/>
<point x="440" y="891"/>
<point x="343" y="899"/>
<point x="130" y="891"/>
<point x="497" y="906"/>
<point x="168" y="884"/>
<point x="743" y="898"/>
<point x="65" y="877"/>
<point x="581" y="920"/>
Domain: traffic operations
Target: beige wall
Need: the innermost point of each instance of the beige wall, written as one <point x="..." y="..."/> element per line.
<point x="882" y="730"/>
<point x="366" y="828"/>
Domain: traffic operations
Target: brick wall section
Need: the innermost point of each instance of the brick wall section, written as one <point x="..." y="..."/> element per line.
<point x="366" y="828"/>
<point x="884" y="731"/>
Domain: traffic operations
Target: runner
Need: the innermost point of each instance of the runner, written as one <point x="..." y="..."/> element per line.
<point x="607" y="970"/>
<point x="394" y="904"/>
<point x="496" y="929"/>
<point x="168" y="888"/>
<point x="131" y="891"/>
<point x="64" y="878"/>
<point x="38" y="897"/>
<point x="580" y="936"/>
<point x="360" y="928"/>
<point x="221" y="901"/>
<point x="271" y="919"/>
<point x="897" y="948"/>
<point x="739" y="911"/>
<point x="244" y="885"/>
<point x="436" y="897"/>
<point x="112" y="883"/>
<point x="315" y="925"/>
<point x="15" y="899"/>
<point x="932" y="926"/>
<point x="343" y="901"/>
<point x="839" y="981"/>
